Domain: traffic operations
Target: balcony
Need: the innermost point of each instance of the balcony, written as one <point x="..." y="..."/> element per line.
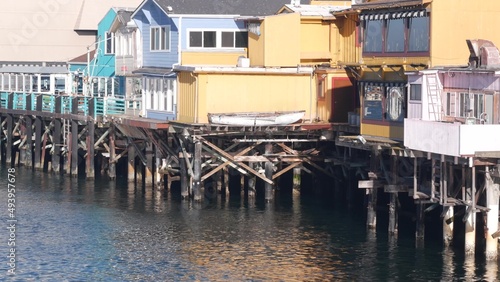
<point x="452" y="139"/>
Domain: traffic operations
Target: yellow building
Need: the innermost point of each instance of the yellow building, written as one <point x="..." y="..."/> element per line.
<point x="398" y="37"/>
<point x="291" y="65"/>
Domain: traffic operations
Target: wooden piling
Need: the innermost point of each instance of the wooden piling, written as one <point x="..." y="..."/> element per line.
<point x="393" y="204"/>
<point x="148" y="169"/>
<point x="131" y="162"/>
<point x="56" y="143"/>
<point x="269" y="193"/>
<point x="371" y="218"/>
<point x="252" y="180"/>
<point x="74" y="139"/>
<point x="420" y="221"/>
<point x="112" y="154"/>
<point x="492" y="203"/>
<point x="56" y="138"/>
<point x="448" y="218"/>
<point x="297" y="180"/>
<point x="184" y="178"/>
<point x="38" y="135"/>
<point x="226" y="181"/>
<point x="29" y="141"/>
<point x="470" y="215"/>
<point x="8" y="152"/>
<point x="90" y="166"/>
<point x="22" y="148"/>
<point x="197" y="195"/>
<point x="158" y="177"/>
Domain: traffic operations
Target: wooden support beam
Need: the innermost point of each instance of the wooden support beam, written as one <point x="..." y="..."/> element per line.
<point x="231" y="159"/>
<point x="289" y="167"/>
<point x="186" y="157"/>
<point x="370" y="184"/>
<point x="241" y="153"/>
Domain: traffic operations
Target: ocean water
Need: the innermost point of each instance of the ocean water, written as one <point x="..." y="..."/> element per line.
<point x="69" y="229"/>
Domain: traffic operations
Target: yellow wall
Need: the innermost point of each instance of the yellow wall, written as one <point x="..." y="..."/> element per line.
<point x="279" y="42"/>
<point x="211" y="58"/>
<point x="256" y="46"/>
<point x="187" y="95"/>
<point x="219" y="93"/>
<point x="392" y="132"/>
<point x="315" y="41"/>
<point x="343" y="40"/>
<point x="454" y="21"/>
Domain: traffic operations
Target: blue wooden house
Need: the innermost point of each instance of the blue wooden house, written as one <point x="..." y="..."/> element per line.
<point x="191" y="32"/>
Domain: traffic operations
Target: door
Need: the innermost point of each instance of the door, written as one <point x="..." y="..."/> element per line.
<point x="343" y="97"/>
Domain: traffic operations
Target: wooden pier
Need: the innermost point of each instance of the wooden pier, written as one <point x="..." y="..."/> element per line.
<point x="79" y="135"/>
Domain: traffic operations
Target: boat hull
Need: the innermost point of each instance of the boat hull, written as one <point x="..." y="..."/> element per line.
<point x="256" y="119"/>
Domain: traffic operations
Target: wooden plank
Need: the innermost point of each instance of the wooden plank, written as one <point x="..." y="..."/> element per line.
<point x="393" y="188"/>
<point x="370" y="184"/>
<point x="279" y="173"/>
<point x="251" y="159"/>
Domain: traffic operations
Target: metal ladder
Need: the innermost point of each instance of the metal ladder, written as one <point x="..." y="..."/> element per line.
<point x="434" y="95"/>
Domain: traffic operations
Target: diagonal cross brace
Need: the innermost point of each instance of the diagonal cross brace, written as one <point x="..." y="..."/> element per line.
<point x="231" y="159"/>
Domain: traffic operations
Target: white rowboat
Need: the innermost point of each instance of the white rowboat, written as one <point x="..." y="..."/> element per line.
<point x="256" y="118"/>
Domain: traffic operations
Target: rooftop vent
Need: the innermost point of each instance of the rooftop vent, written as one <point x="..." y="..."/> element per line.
<point x="295" y="3"/>
<point x="483" y="54"/>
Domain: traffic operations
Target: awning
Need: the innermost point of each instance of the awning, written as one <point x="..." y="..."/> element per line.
<point x="393" y="15"/>
<point x="383" y="83"/>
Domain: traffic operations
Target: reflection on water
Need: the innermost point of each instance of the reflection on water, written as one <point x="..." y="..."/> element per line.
<point x="70" y="229"/>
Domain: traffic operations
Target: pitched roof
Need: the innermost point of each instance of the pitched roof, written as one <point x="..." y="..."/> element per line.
<point x="224" y="7"/>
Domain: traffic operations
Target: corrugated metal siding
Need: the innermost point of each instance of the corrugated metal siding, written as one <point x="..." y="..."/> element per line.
<point x="186" y="100"/>
<point x="348" y="52"/>
<point x="459" y="80"/>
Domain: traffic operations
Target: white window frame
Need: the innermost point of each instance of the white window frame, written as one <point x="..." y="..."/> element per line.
<point x="218" y="38"/>
<point x="161" y="38"/>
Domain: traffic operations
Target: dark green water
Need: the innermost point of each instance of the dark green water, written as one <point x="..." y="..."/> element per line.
<point x="73" y="230"/>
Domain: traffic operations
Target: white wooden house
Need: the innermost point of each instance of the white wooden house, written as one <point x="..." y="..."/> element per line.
<point x="455" y="111"/>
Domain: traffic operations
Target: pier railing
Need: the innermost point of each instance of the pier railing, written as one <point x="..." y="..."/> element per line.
<point x="30" y="102"/>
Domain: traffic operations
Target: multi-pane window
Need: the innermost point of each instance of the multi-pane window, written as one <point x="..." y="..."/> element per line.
<point x="110" y="43"/>
<point x="160" y="38"/>
<point x="394" y="33"/>
<point x="218" y="39"/>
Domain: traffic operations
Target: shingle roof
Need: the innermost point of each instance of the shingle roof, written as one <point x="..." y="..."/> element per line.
<point x="224" y="7"/>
